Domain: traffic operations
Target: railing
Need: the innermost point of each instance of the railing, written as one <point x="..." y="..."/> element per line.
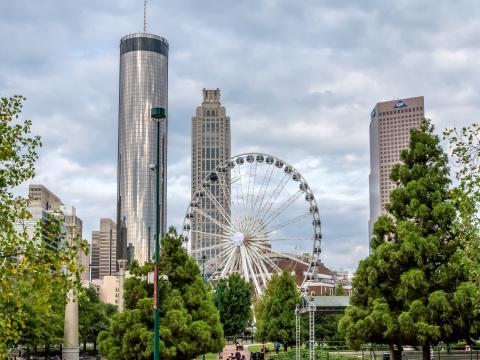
<point x="339" y="351"/>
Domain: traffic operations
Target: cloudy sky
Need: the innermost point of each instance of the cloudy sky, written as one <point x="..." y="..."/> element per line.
<point x="298" y="79"/>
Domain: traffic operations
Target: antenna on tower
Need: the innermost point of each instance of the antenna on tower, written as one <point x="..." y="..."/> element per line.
<point x="145" y="16"/>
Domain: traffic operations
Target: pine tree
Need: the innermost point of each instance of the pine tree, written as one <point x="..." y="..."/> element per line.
<point x="414" y="288"/>
<point x="189" y="322"/>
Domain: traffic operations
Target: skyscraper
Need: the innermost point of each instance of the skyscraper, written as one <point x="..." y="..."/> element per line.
<point x="95" y="256"/>
<point x="390" y="126"/>
<point x="210" y="146"/>
<point x="107" y="248"/>
<point x="143" y="85"/>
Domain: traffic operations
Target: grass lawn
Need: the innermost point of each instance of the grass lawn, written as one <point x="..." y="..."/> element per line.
<point x="257" y="347"/>
<point x="209" y="356"/>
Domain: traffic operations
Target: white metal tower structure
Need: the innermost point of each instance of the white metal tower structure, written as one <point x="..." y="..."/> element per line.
<point x="297" y="333"/>
<point x="311" y="320"/>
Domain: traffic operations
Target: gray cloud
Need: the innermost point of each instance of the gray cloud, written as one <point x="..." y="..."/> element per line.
<point x="298" y="81"/>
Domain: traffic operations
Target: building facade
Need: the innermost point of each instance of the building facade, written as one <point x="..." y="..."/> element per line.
<point x="107" y="248"/>
<point x="74" y="226"/>
<point x="211" y="145"/>
<point x="390" y="125"/>
<point x="40" y="197"/>
<point x="41" y="204"/>
<point x="95" y="256"/>
<point x="143" y="85"/>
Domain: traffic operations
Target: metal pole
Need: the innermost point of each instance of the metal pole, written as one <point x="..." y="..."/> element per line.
<point x="156" y="339"/>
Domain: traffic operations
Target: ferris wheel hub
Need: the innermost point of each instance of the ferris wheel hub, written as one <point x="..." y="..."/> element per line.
<point x="238" y="239"/>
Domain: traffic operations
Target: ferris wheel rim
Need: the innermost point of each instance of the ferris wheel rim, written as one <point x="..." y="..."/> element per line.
<point x="317" y="236"/>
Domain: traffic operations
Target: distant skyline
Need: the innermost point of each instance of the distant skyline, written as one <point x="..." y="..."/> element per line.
<point x="299" y="81"/>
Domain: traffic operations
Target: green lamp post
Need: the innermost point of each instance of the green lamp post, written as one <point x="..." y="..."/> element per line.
<point x="157" y="114"/>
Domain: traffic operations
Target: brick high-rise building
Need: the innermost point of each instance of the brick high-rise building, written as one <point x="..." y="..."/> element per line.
<point x="210" y="146"/>
<point x="390" y="126"/>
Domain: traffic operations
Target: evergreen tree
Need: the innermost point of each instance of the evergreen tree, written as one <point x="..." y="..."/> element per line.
<point x="233" y="298"/>
<point x="189" y="322"/>
<point x="275" y="310"/>
<point x="414" y="289"/>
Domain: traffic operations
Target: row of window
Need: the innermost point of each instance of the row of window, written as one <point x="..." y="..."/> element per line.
<point x="401" y="111"/>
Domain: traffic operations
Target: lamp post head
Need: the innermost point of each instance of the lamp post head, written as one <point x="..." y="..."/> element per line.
<point x="158" y="113"/>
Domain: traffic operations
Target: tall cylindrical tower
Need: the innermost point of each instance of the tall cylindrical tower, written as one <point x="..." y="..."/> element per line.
<point x="143" y="85"/>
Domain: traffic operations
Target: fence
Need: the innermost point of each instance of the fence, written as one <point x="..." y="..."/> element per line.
<point x="339" y="351"/>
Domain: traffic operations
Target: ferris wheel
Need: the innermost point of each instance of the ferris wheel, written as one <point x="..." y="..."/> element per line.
<point x="255" y="215"/>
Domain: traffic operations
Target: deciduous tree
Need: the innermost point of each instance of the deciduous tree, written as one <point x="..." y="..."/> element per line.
<point x="28" y="265"/>
<point x="233" y="299"/>
<point x="275" y="310"/>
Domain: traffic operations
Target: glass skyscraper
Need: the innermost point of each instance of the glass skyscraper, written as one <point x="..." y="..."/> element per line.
<point x="143" y="85"/>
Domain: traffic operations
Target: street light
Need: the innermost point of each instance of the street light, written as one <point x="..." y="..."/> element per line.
<point x="157" y="114"/>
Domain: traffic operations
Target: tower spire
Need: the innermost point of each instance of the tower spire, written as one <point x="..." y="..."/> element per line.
<point x="145" y="16"/>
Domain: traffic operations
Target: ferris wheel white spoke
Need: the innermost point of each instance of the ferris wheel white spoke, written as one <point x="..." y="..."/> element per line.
<point x="226" y="192"/>
<point x="286" y="223"/>
<point x="293" y="238"/>
<point x="252" y="272"/>
<point x="274" y="196"/>
<point x="244" y="264"/>
<point x="269" y="218"/>
<point x="275" y="267"/>
<point x="263" y="252"/>
<point x="215" y="221"/>
<point x="224" y="264"/>
<point x="225" y="237"/>
<point x="272" y="253"/>
<point x="240" y="185"/>
<point x="230" y="262"/>
<point x="288" y="202"/>
<point x="252" y="193"/>
<point x="218" y="257"/>
<point x="263" y="189"/>
<point x="259" y="262"/>
<point x="249" y="175"/>
<point x="220" y="208"/>
<point x="207" y="248"/>
<point x="288" y="256"/>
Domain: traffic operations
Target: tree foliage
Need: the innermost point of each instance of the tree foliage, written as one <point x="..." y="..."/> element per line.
<point x="275" y="310"/>
<point x="94" y="315"/>
<point x="465" y="148"/>
<point x="189" y="322"/>
<point x="32" y="270"/>
<point x="233" y="299"/>
<point x="414" y="288"/>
